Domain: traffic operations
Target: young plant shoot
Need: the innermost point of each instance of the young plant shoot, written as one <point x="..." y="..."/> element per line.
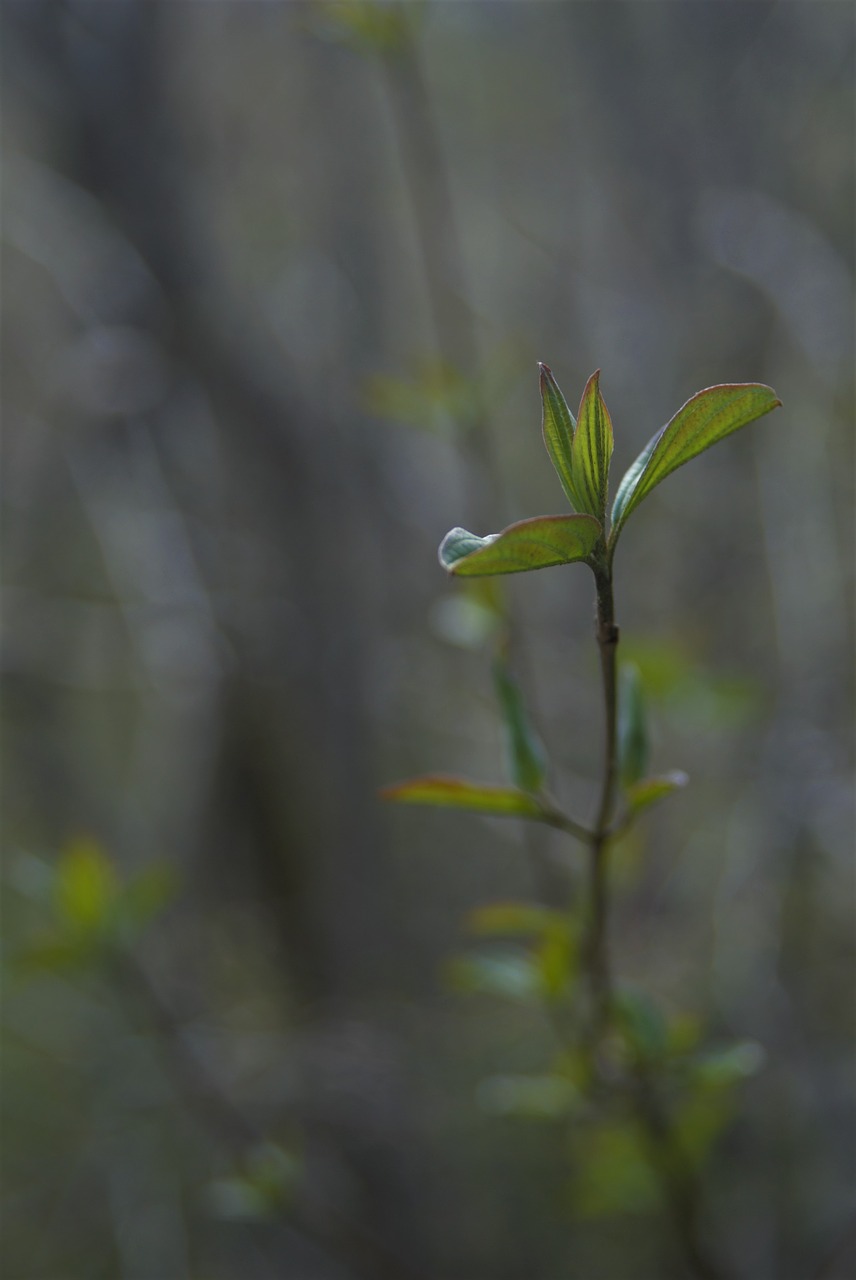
<point x="619" y="1046"/>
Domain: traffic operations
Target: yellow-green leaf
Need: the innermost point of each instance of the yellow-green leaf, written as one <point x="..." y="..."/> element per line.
<point x="558" y="427"/>
<point x="526" y="756"/>
<point x="530" y="544"/>
<point x="556" y="958"/>
<point x="86" y="887"/>
<point x="707" y="417"/>
<point x="648" y="791"/>
<point x="512" y="918"/>
<point x="528" y="1097"/>
<point x="511" y="974"/>
<point x="458" y="793"/>
<point x="592" y="450"/>
<point x="633" y="741"/>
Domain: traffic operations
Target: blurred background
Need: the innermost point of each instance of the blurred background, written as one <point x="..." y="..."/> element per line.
<point x="275" y="281"/>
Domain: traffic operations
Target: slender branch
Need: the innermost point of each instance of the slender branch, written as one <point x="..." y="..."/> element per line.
<point x="553" y="817"/>
<point x="677" y="1176"/>
<point x="674" y="1170"/>
<point x="347" y="1242"/>
<point x="597" y="950"/>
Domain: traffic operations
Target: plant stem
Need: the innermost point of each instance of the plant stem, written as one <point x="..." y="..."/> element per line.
<point x="597" y="944"/>
<point x="676" y="1175"/>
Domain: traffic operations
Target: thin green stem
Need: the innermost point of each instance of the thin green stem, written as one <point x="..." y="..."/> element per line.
<point x="676" y="1174"/>
<point x="678" y="1178"/>
<point x="553" y="817"/>
<point x="600" y="977"/>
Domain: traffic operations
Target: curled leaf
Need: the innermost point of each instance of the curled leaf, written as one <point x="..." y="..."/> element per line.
<point x="537" y="543"/>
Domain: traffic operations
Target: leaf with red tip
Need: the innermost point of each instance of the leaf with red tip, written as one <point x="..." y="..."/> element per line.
<point x="446" y="792"/>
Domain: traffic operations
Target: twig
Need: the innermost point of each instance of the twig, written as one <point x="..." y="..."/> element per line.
<point x="674" y="1170"/>
<point x="597" y="942"/>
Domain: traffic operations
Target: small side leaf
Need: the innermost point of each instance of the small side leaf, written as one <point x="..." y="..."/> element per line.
<point x="506" y="973"/>
<point x="530" y="544"/>
<point x="707" y="417"/>
<point x="526" y="755"/>
<point x="592" y="450"/>
<point x="641" y="1022"/>
<point x="647" y="791"/>
<point x="633" y="744"/>
<point x="528" y="1097"/>
<point x="512" y="918"/>
<point x="556" y="958"/>
<point x="446" y="792"/>
<point x="86" y="888"/>
<point x="720" y="1068"/>
<point x="558" y="427"/>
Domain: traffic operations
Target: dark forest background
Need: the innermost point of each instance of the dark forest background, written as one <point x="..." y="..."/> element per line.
<point x="275" y="280"/>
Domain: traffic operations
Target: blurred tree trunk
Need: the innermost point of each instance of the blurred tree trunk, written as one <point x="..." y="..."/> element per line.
<point x="289" y="783"/>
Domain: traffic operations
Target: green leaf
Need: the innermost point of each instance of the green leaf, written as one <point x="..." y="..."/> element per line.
<point x="259" y="1192"/>
<point x="528" y="1097"/>
<point x="54" y="955"/>
<point x="700" y="1119"/>
<point x="556" y="958"/>
<point x="558" y="427"/>
<point x="710" y="1103"/>
<point x="613" y="1174"/>
<point x="707" y="417"/>
<point x="642" y="1022"/>
<point x="592" y="450"/>
<point x="498" y="918"/>
<point x="648" y="791"/>
<point x="502" y="973"/>
<point x="530" y="544"/>
<point x="86" y="887"/>
<point x="526" y="755"/>
<point x="633" y="743"/>
<point x="364" y="24"/>
<point x="720" y="1068"/>
<point x="146" y="896"/>
<point x="458" y="793"/>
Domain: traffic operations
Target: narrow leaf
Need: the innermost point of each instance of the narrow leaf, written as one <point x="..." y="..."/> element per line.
<point x="725" y="1066"/>
<point x="592" y="450"/>
<point x="458" y="793"/>
<point x="707" y="417"/>
<point x="642" y="1022"/>
<point x="512" y="918"/>
<point x="528" y="1097"/>
<point x="633" y="745"/>
<point x="556" y="958"/>
<point x="641" y="795"/>
<point x="507" y="973"/>
<point x="526" y="757"/>
<point x="530" y="544"/>
<point x="558" y="427"/>
<point x="86" y="888"/>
